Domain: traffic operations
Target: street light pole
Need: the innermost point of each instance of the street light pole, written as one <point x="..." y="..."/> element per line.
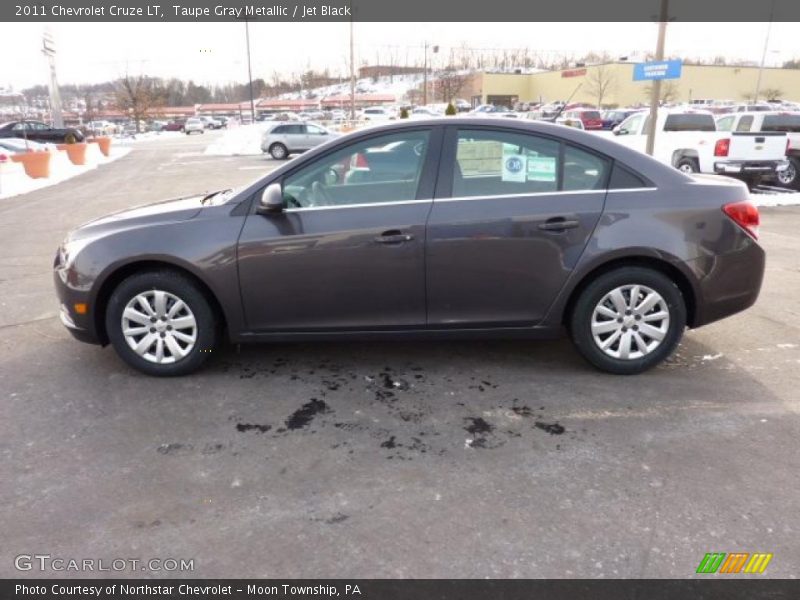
<point x="425" y="75"/>
<point x="250" y="73"/>
<point x="764" y="53"/>
<point x="352" y="75"/>
<point x="655" y="94"/>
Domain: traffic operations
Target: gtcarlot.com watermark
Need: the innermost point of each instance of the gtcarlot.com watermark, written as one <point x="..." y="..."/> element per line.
<point x="48" y="563"/>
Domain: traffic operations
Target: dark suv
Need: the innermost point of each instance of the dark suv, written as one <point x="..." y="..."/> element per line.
<point x="444" y="228"/>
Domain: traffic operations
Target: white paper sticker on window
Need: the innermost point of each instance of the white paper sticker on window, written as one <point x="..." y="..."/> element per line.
<point x="514" y="164"/>
<point x="541" y="168"/>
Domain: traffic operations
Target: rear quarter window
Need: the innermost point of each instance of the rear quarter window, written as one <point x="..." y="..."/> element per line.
<point x="623" y="178"/>
<point x="690" y="122"/>
<point x="788" y="123"/>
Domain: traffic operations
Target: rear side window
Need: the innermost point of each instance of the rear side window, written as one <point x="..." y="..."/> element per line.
<point x="690" y="122"/>
<point x="499" y="163"/>
<point x="280" y="129"/>
<point x="788" y="123"/>
<point x="623" y="178"/>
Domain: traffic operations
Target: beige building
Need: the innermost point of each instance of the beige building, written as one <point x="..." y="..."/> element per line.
<point x="615" y="81"/>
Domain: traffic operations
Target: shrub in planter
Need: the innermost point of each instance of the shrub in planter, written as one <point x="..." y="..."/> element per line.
<point x="404" y="113"/>
<point x="450" y="110"/>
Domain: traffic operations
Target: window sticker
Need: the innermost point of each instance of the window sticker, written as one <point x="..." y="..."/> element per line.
<point x="541" y="168"/>
<point x="514" y="163"/>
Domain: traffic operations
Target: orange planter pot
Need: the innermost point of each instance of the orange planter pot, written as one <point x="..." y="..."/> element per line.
<point x="37" y="164"/>
<point x="104" y="143"/>
<point x="75" y="152"/>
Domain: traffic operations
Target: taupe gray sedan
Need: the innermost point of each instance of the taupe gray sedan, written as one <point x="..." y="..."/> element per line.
<point x="445" y="228"/>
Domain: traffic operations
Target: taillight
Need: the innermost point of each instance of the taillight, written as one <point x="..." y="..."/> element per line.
<point x="361" y="161"/>
<point x="722" y="147"/>
<point x="3" y="157"/>
<point x="745" y="215"/>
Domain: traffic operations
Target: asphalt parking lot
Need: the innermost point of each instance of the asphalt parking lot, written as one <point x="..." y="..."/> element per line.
<point x="485" y="459"/>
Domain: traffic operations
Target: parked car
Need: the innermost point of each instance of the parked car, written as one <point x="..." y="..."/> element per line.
<point x="688" y="140"/>
<point x="283" y="139"/>
<point x="40" y="132"/>
<point x="175" y="125"/>
<point x="378" y="113"/>
<point x="612" y="118"/>
<point x="194" y="125"/>
<point x="101" y="127"/>
<point x="494" y="229"/>
<point x="211" y="122"/>
<point x="771" y="122"/>
<point x="591" y="118"/>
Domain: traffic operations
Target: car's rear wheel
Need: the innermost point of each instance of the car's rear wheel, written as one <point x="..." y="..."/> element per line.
<point x="790" y="177"/>
<point x="628" y="320"/>
<point x="278" y="151"/>
<point x="161" y="323"/>
<point x="688" y="165"/>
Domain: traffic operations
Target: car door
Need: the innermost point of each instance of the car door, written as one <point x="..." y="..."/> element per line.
<point x="295" y="136"/>
<point x="347" y="253"/>
<point x="315" y="135"/>
<point x="511" y="216"/>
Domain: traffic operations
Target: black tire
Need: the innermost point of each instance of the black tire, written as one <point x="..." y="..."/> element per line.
<point x="186" y="290"/>
<point x="791" y="179"/>
<point x="580" y="321"/>
<point x="688" y="165"/>
<point x="278" y="151"/>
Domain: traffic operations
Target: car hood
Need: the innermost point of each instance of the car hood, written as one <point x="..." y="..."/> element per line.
<point x="167" y="211"/>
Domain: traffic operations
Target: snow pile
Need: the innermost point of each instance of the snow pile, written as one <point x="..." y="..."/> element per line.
<point x="147" y="136"/>
<point x="243" y="140"/>
<point x="776" y="199"/>
<point x="14" y="181"/>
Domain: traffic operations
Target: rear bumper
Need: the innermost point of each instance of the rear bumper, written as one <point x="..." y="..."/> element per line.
<point x="730" y="283"/>
<point x="745" y="167"/>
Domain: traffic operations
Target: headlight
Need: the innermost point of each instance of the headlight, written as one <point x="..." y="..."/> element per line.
<point x="68" y="251"/>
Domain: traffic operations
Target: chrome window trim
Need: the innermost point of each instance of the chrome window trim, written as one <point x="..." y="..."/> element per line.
<point x="460" y="198"/>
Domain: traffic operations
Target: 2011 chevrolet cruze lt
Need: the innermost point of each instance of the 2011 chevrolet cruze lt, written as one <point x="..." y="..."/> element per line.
<point x="443" y="228"/>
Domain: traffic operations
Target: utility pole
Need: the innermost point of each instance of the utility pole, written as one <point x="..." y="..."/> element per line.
<point x="352" y="75"/>
<point x="655" y="95"/>
<point x="250" y="73"/>
<point x="425" y="75"/>
<point x="764" y="53"/>
<point x="49" y="50"/>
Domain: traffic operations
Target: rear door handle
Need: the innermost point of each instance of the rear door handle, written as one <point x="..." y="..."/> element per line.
<point x="393" y="237"/>
<point x="559" y="224"/>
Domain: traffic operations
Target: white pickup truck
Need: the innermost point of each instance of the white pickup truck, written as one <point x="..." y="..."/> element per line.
<point x="771" y="122"/>
<point x="688" y="140"/>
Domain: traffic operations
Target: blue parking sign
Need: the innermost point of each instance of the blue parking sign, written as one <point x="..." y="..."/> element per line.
<point x="665" y="69"/>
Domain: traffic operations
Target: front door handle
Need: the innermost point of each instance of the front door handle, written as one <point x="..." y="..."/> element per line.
<point x="393" y="237"/>
<point x="559" y="224"/>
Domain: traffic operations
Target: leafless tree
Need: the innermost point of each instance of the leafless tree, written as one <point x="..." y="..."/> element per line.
<point x="450" y="84"/>
<point x="137" y="95"/>
<point x="772" y="94"/>
<point x="599" y="81"/>
<point x="669" y="92"/>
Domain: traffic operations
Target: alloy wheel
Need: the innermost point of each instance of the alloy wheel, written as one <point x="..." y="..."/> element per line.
<point x="630" y="322"/>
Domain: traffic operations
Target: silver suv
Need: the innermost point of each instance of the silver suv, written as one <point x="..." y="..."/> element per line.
<point x="283" y="139"/>
<point x="194" y="125"/>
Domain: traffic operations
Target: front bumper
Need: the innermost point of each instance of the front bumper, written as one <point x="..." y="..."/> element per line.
<point x="747" y="167"/>
<point x="82" y="335"/>
<point x="80" y="326"/>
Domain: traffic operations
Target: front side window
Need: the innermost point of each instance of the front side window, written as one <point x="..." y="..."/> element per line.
<point x="381" y="169"/>
<point x="315" y="129"/>
<point x="725" y="123"/>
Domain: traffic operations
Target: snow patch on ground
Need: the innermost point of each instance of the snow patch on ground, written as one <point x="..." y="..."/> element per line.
<point x="147" y="137"/>
<point x="239" y="141"/>
<point x="776" y="199"/>
<point x="14" y="181"/>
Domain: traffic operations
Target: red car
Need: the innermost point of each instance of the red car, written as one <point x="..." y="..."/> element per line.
<point x="591" y="118"/>
<point x="176" y="125"/>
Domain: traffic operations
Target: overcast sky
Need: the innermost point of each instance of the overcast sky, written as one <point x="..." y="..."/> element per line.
<point x="215" y="52"/>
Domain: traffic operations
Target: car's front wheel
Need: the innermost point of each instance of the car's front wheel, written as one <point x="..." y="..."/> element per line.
<point x="161" y="323"/>
<point x="628" y="320"/>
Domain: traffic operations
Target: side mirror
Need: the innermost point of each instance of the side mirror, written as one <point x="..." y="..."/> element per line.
<point x="616" y="130"/>
<point x="271" y="200"/>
